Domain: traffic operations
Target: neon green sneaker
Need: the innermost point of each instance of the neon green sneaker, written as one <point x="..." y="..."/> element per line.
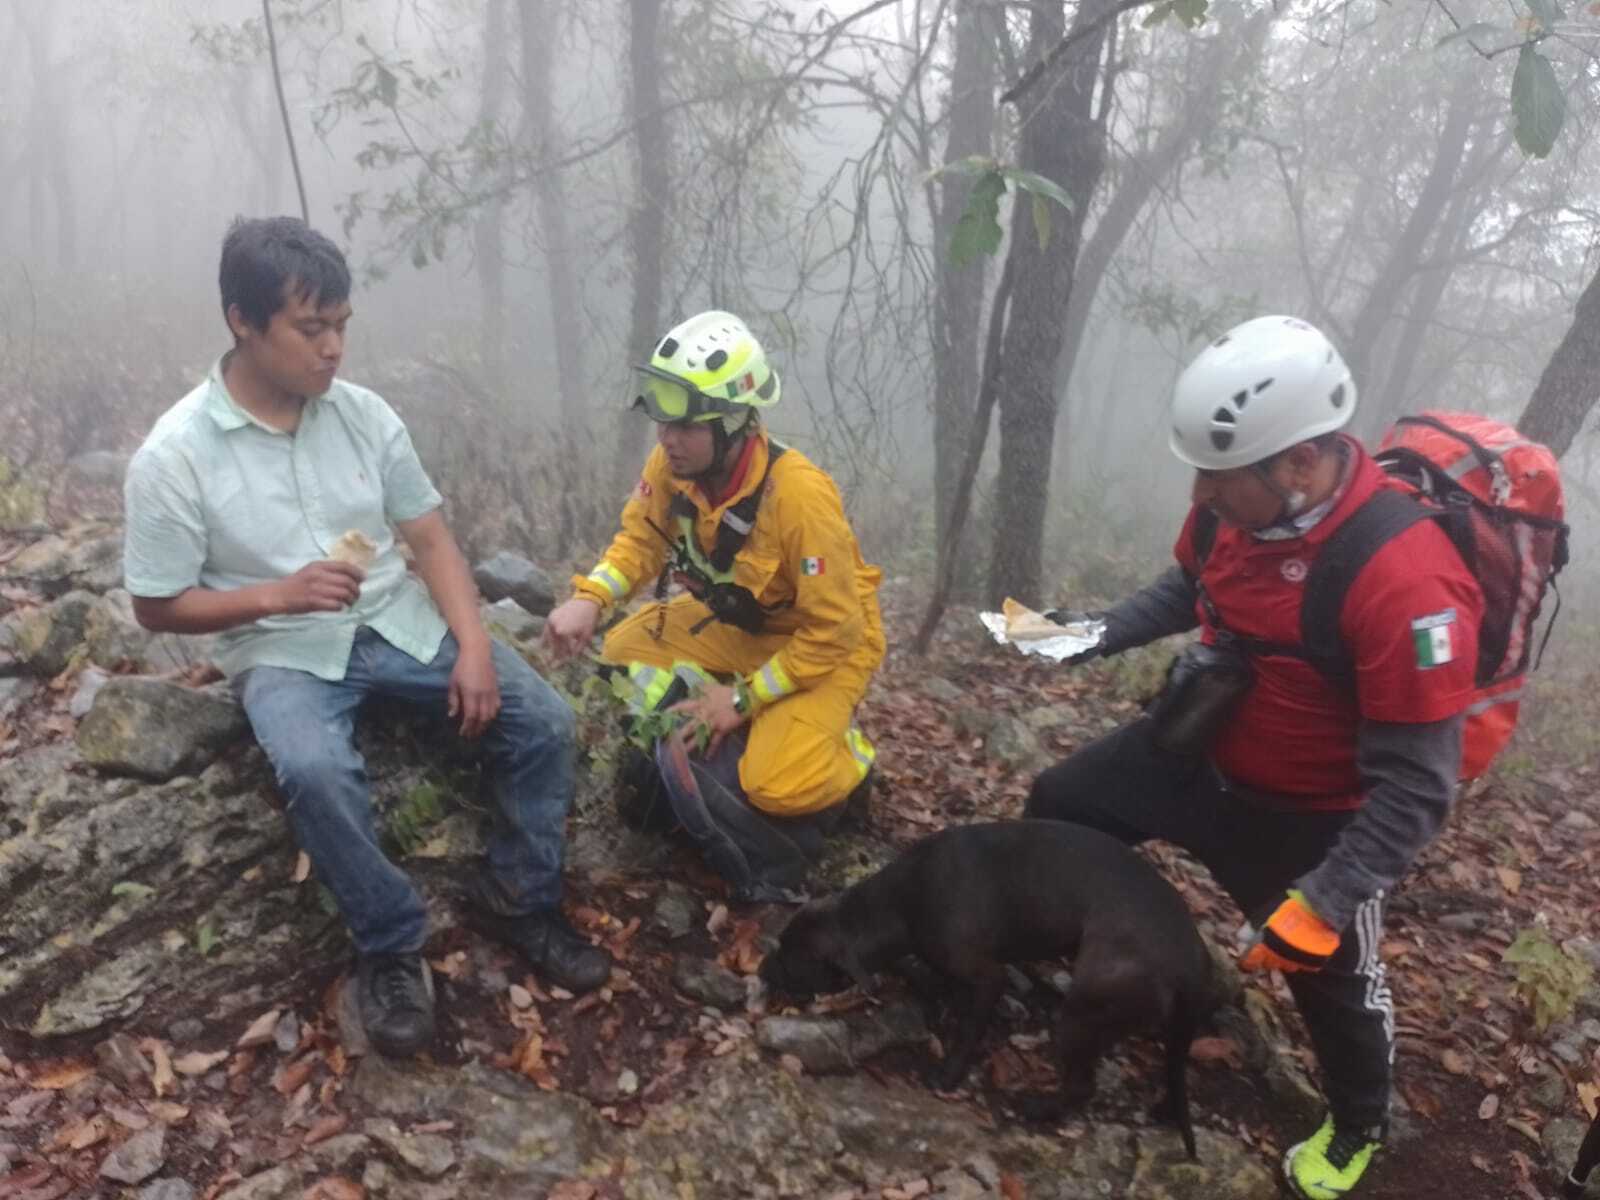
<point x="1331" y="1161"/>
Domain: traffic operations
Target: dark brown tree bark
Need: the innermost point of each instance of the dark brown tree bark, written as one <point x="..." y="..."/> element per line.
<point x="1570" y="384"/>
<point x="647" y="223"/>
<point x="1064" y="139"/>
<point x="958" y="296"/>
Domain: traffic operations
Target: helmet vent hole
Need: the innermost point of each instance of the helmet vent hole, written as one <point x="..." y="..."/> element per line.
<point x="1240" y="399"/>
<point x="668" y="347"/>
<point x="1263" y="386"/>
<point x="1337" y="398"/>
<point x="1224" y="417"/>
<point x="1221" y="439"/>
<point x="1221" y="341"/>
<point x="715" y="359"/>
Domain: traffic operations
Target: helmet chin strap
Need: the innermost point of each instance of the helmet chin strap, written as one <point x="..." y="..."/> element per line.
<point x="723" y="444"/>
<point x="1294" y="502"/>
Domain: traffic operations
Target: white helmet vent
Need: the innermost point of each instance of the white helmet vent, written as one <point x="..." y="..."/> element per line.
<point x="1337" y="397"/>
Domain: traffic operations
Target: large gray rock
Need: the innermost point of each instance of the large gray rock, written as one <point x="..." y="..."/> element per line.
<point x="829" y="1045"/>
<point x="513" y="1135"/>
<point x="113" y="636"/>
<point x="58" y="564"/>
<point x="138" y="1158"/>
<point x="507" y="574"/>
<point x="509" y="620"/>
<point x="156" y="729"/>
<point x="43" y="640"/>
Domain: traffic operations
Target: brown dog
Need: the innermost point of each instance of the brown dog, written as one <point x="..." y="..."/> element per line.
<point x="971" y="899"/>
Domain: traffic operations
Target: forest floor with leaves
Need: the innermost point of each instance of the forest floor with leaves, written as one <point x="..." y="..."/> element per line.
<point x="1477" y="1079"/>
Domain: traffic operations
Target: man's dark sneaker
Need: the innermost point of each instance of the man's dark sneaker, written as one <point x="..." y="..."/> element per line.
<point x="395" y="995"/>
<point x="557" y="951"/>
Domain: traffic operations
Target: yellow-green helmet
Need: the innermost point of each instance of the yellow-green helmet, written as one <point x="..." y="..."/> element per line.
<point x="710" y="366"/>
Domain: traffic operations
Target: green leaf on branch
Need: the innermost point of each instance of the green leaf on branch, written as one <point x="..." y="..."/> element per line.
<point x="978" y="231"/>
<point x="1538" y="107"/>
<point x="1041" y="220"/>
<point x="1191" y="12"/>
<point x="1038" y="185"/>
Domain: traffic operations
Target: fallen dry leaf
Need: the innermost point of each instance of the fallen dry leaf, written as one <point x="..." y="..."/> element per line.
<point x="907" y="1191"/>
<point x="1588" y="1096"/>
<point x="1011" y="1187"/>
<point x="260" y="1031"/>
<point x="1455" y="1062"/>
<point x="161" y="1077"/>
<point x="1217" y="1049"/>
<point x="717" y="919"/>
<point x="334" y="1187"/>
<point x="197" y="1062"/>
<point x="59" y="1074"/>
<point x="80" y="1135"/>
<point x="166" y="1111"/>
<point x="291" y="1075"/>
<point x="521" y="997"/>
<point x="302" y="868"/>
<point x="573" y="1189"/>
<point x="1490" y="1106"/>
<point x="433" y="1127"/>
<point x="1509" y="879"/>
<point x="324" y="1128"/>
<point x="1481" y="1162"/>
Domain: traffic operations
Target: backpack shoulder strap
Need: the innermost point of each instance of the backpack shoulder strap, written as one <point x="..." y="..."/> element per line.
<point x="740" y="518"/>
<point x="1384" y="516"/>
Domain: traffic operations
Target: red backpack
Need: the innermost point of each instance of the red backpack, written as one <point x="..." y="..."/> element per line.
<point x="1498" y="496"/>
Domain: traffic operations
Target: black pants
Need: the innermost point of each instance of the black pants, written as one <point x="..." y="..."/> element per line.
<point x="1122" y="785"/>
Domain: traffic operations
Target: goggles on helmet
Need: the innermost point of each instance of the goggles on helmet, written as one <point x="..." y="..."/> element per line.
<point x="667" y="398"/>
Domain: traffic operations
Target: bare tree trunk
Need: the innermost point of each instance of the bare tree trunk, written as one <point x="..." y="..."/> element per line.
<point x="1231" y="54"/>
<point x="1064" y="140"/>
<point x="958" y="298"/>
<point x="1571" y="381"/>
<point x="1401" y="263"/>
<point x="648" y="221"/>
<point x="488" y="230"/>
<point x="539" y="36"/>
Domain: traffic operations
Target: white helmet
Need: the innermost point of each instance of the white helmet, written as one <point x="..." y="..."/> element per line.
<point x="1259" y="388"/>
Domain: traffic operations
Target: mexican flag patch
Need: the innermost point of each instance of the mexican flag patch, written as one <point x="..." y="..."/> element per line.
<point x="1433" y="637"/>
<point x="813" y="566"/>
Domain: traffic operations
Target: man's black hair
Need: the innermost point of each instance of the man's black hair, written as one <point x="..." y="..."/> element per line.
<point x="262" y="256"/>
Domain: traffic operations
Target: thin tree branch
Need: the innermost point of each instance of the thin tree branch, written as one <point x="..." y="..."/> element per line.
<point x="283" y="109"/>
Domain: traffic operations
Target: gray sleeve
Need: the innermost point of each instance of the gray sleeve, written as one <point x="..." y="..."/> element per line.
<point x="1408" y="773"/>
<point x="1162" y="607"/>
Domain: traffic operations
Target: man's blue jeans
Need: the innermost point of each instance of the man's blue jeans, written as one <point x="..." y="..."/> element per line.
<point x="306" y="726"/>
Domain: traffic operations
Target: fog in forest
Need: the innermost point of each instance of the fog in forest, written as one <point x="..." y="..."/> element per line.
<point x="532" y="191"/>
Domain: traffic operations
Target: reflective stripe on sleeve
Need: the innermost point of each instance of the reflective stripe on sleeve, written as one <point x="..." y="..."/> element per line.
<point x="771" y="682"/>
<point x="613" y="580"/>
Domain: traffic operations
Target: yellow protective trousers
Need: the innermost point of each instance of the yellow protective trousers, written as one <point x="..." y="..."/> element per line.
<point x="803" y="754"/>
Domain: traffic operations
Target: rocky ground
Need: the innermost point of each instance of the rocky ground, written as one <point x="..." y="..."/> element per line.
<point x="175" y="1025"/>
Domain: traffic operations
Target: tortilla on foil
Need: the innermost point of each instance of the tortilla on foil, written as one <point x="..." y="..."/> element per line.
<point x="1034" y="633"/>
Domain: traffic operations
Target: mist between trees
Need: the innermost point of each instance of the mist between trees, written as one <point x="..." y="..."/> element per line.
<point x="917" y="204"/>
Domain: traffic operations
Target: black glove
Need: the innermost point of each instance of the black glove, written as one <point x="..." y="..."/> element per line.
<point x="1067" y="616"/>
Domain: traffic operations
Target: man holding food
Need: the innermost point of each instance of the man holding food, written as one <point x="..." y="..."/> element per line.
<point x="264" y="506"/>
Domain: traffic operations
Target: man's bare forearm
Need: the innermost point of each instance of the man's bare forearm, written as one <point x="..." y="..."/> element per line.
<point x="444" y="570"/>
<point x="202" y="610"/>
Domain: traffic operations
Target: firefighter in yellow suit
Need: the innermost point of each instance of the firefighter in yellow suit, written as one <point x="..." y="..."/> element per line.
<point x="778" y="602"/>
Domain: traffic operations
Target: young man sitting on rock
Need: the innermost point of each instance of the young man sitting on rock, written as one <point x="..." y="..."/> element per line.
<point x="264" y="506"/>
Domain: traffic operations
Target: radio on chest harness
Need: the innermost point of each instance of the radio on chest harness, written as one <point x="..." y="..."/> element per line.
<point x="709" y="578"/>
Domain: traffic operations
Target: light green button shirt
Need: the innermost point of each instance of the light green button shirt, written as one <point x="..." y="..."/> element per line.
<point x="219" y="500"/>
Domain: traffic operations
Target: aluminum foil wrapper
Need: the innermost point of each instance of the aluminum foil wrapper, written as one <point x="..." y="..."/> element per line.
<point x="1074" y="638"/>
